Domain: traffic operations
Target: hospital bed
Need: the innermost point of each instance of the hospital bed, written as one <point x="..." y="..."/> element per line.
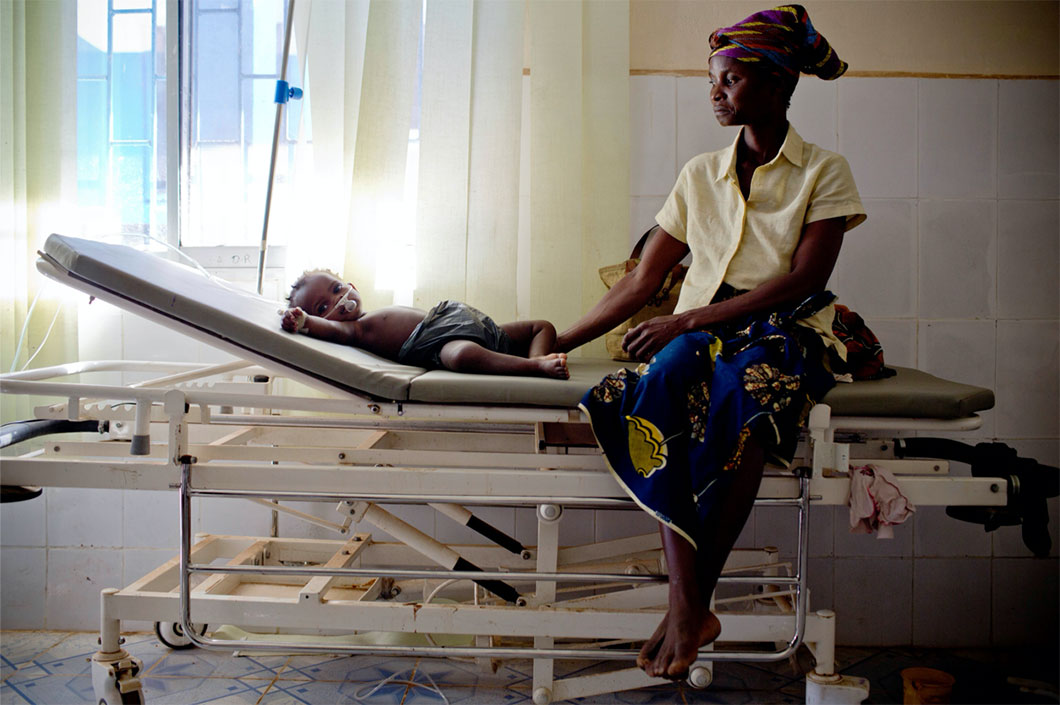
<point x="369" y="434"/>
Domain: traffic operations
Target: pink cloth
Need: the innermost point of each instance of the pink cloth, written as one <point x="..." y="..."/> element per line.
<point x="876" y="502"/>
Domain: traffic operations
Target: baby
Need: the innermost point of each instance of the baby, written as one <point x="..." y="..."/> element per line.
<point x="451" y="335"/>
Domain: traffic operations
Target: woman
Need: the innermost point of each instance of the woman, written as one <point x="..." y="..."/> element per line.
<point x="749" y="348"/>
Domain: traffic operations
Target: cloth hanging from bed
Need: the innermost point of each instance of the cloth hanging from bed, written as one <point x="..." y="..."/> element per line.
<point x="673" y="430"/>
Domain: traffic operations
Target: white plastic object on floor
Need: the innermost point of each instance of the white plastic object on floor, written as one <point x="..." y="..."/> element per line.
<point x="835" y="689"/>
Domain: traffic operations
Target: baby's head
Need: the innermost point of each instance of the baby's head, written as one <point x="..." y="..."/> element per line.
<point x="320" y="292"/>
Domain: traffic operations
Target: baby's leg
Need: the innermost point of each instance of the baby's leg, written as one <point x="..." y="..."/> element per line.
<point x="469" y="356"/>
<point x="532" y="338"/>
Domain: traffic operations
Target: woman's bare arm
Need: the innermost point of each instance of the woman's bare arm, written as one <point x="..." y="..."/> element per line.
<point x="811" y="265"/>
<point x="629" y="294"/>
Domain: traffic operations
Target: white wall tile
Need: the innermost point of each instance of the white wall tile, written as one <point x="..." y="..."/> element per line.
<point x="1028" y="259"/>
<point x="150" y="519"/>
<point x="936" y="535"/>
<point x="873" y="601"/>
<point x="813" y="112"/>
<point x="957" y="138"/>
<point x="136" y="563"/>
<point x="958" y="259"/>
<point x="146" y="340"/>
<point x="1028" y="379"/>
<point x="75" y="578"/>
<point x="293" y="527"/>
<point x="938" y="618"/>
<point x="779" y="527"/>
<point x="698" y="130"/>
<point x="22" y="523"/>
<point x="1008" y="540"/>
<point x="642" y="210"/>
<point x="1028" y="139"/>
<point x="962" y="351"/>
<point x="1025" y="599"/>
<point x="99" y="336"/>
<point x="22" y="578"/>
<point x="878" y="271"/>
<point x="877" y="134"/>
<point x="653" y="130"/>
<point x="898" y="338"/>
<point x="610" y="525"/>
<point x="746" y="539"/>
<point x="232" y="516"/>
<point x="80" y="517"/>
<point x="820" y="576"/>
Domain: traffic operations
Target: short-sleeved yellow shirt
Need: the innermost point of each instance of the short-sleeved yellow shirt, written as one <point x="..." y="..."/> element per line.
<point x="747" y="243"/>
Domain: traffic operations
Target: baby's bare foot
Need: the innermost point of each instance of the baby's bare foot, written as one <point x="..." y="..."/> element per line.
<point x="553" y="365"/>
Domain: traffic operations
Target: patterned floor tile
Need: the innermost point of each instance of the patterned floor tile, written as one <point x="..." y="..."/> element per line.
<point x="48" y="690"/>
<point x="358" y="669"/>
<point x="316" y="692"/>
<point x="192" y="691"/>
<point x="465" y="695"/>
<point x="19" y="647"/>
<point x="468" y="673"/>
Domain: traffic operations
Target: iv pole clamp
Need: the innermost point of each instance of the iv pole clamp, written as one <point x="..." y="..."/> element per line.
<point x="284" y="92"/>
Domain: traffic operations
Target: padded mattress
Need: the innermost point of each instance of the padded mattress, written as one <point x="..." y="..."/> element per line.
<point x="135" y="280"/>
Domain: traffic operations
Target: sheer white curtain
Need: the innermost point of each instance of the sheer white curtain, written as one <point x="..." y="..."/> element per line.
<point x="496" y="177"/>
<point x="38" y="171"/>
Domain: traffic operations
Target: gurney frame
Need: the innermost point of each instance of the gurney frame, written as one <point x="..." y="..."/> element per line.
<point x="366" y="452"/>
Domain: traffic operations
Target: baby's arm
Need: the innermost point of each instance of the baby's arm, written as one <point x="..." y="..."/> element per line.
<point x="295" y="320"/>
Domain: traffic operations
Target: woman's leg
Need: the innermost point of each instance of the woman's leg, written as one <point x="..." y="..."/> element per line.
<point x="689" y="624"/>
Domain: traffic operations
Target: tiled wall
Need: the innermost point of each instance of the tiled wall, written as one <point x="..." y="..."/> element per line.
<point x="956" y="270"/>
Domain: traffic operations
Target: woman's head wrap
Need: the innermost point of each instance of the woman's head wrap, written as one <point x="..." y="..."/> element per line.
<point x="784" y="38"/>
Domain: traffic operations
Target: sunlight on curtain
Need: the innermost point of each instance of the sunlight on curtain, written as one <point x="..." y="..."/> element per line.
<point x="579" y="153"/>
<point x="469" y="188"/>
<point x="466" y="212"/>
<point x="38" y="170"/>
<point x="445" y="148"/>
<point x="380" y="222"/>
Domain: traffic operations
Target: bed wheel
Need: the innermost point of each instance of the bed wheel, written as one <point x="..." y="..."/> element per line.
<point x="700" y="677"/>
<point x="172" y="635"/>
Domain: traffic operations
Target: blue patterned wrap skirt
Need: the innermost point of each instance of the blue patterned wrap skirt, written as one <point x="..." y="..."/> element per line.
<point x="674" y="430"/>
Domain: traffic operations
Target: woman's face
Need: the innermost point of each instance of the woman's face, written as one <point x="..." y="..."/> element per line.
<point x="742" y="94"/>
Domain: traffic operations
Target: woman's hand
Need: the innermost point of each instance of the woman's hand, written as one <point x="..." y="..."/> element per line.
<point x="652" y="335"/>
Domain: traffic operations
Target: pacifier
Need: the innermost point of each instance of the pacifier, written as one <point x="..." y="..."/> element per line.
<point x="345" y="303"/>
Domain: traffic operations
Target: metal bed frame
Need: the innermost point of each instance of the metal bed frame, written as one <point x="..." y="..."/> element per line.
<point x="226" y="434"/>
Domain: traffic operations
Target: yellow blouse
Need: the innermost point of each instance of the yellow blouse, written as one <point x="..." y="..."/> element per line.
<point x="745" y="243"/>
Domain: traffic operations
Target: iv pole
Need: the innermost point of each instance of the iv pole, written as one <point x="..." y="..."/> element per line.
<point x="283" y="93"/>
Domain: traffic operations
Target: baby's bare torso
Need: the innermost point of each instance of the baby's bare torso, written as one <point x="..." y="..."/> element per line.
<point x="385" y="330"/>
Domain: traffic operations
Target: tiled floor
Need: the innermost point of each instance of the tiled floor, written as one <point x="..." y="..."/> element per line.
<point x="53" y="668"/>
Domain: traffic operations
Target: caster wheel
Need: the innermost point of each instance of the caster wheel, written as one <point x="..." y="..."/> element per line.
<point x="172" y="635"/>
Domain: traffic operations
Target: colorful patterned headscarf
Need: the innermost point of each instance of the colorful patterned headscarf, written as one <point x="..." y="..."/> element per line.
<point x="784" y="38"/>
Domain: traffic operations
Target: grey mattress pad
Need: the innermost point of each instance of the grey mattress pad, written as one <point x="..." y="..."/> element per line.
<point x="192" y="301"/>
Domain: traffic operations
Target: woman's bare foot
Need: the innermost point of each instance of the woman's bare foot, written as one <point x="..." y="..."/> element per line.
<point x="552" y="365"/>
<point x="675" y="645"/>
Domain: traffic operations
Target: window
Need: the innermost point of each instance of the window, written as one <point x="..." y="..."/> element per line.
<point x="121" y="157"/>
<point x="234" y="51"/>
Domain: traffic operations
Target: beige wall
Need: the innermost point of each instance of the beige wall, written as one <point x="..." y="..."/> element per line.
<point x="1005" y="38"/>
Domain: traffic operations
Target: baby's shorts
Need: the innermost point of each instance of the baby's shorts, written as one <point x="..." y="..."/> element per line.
<point x="448" y="321"/>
